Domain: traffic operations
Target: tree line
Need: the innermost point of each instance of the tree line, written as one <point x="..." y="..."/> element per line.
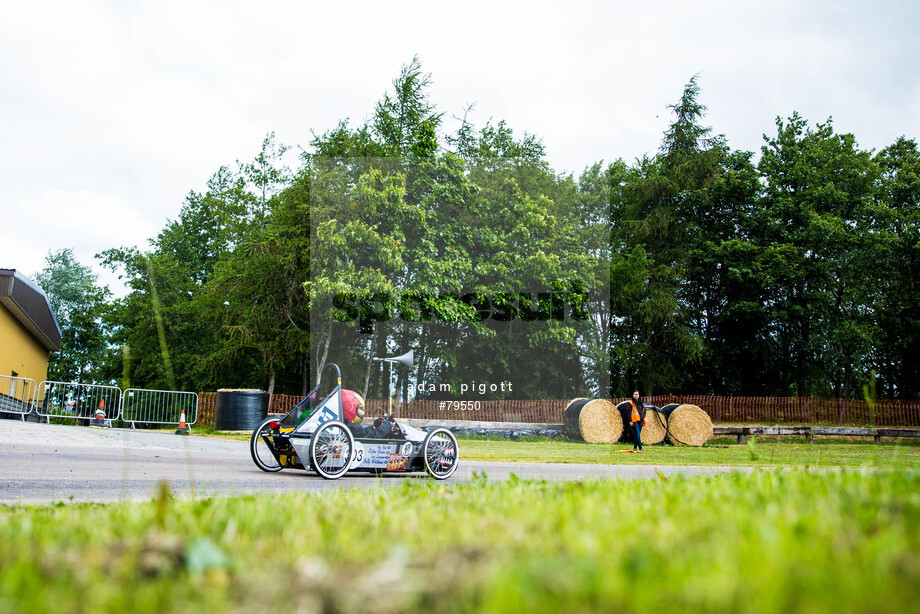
<point x="697" y="270"/>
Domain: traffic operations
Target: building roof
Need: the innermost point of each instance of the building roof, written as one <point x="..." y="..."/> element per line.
<point x="29" y="304"/>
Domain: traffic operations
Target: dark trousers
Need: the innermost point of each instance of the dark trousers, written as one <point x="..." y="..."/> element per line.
<point x="637" y="435"/>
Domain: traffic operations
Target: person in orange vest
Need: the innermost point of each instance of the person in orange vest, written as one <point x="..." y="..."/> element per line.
<point x="637" y="420"/>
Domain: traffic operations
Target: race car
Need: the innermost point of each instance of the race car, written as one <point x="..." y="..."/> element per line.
<point x="318" y="434"/>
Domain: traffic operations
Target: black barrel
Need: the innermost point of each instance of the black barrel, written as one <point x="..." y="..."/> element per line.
<point x="240" y="410"/>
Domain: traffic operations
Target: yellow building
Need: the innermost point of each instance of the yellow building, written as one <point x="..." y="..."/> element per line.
<point x="29" y="332"/>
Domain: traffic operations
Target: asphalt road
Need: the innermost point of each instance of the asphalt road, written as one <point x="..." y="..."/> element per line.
<point x="46" y="463"/>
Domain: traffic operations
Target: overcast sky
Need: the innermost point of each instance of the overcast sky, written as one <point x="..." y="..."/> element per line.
<point x="112" y="111"/>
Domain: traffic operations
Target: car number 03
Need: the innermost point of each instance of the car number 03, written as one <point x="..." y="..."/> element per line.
<point x="357" y="455"/>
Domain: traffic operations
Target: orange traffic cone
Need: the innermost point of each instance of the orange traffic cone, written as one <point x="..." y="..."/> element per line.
<point x="183" y="427"/>
<point x="99" y="419"/>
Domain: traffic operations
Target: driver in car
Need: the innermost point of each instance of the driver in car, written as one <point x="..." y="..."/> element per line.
<point x="354" y="412"/>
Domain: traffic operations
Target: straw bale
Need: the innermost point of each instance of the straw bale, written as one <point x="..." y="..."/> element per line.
<point x="689" y="425"/>
<point x="600" y="422"/>
<point x="656" y="426"/>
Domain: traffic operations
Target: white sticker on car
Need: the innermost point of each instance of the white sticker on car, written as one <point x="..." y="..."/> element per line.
<point x="357" y="455"/>
<point x="378" y="455"/>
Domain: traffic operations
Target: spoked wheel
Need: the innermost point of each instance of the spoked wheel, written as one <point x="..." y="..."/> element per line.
<point x="259" y="448"/>
<point x="331" y="448"/>
<point x="440" y="453"/>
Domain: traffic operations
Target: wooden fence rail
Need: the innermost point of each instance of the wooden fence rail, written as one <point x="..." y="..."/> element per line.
<point x="750" y="410"/>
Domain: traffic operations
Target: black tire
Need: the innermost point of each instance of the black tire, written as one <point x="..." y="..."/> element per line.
<point x="331" y="448"/>
<point x="440" y="453"/>
<point x="261" y="454"/>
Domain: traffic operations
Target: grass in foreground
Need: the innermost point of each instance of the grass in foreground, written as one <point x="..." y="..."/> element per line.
<point x="767" y="452"/>
<point x="789" y="541"/>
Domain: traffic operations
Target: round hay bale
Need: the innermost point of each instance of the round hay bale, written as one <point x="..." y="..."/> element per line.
<point x="593" y="421"/>
<point x="656" y="426"/>
<point x="599" y="423"/>
<point x="688" y="425"/>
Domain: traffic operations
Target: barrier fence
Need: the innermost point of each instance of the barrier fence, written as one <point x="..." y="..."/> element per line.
<point x="724" y="410"/>
<point x="80" y="402"/>
<point x="16" y="394"/>
<point x="531" y="411"/>
<point x="158" y="406"/>
<point x="805" y="410"/>
<point x="74" y="400"/>
<point x="759" y="410"/>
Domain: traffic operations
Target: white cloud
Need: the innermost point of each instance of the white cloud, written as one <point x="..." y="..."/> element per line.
<point x="121" y="108"/>
<point x="85" y="221"/>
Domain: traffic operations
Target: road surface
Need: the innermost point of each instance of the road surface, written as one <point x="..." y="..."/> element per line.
<point x="47" y="463"/>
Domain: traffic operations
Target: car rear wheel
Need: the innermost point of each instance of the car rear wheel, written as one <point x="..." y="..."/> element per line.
<point x="259" y="448"/>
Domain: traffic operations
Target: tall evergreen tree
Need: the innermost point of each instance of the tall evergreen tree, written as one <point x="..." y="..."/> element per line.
<point x="406" y="116"/>
<point x="654" y="212"/>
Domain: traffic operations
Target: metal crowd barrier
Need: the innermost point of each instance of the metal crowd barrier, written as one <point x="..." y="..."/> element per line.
<point x="52" y="399"/>
<point x="158" y="406"/>
<point x="16" y="395"/>
<point x="79" y="401"/>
